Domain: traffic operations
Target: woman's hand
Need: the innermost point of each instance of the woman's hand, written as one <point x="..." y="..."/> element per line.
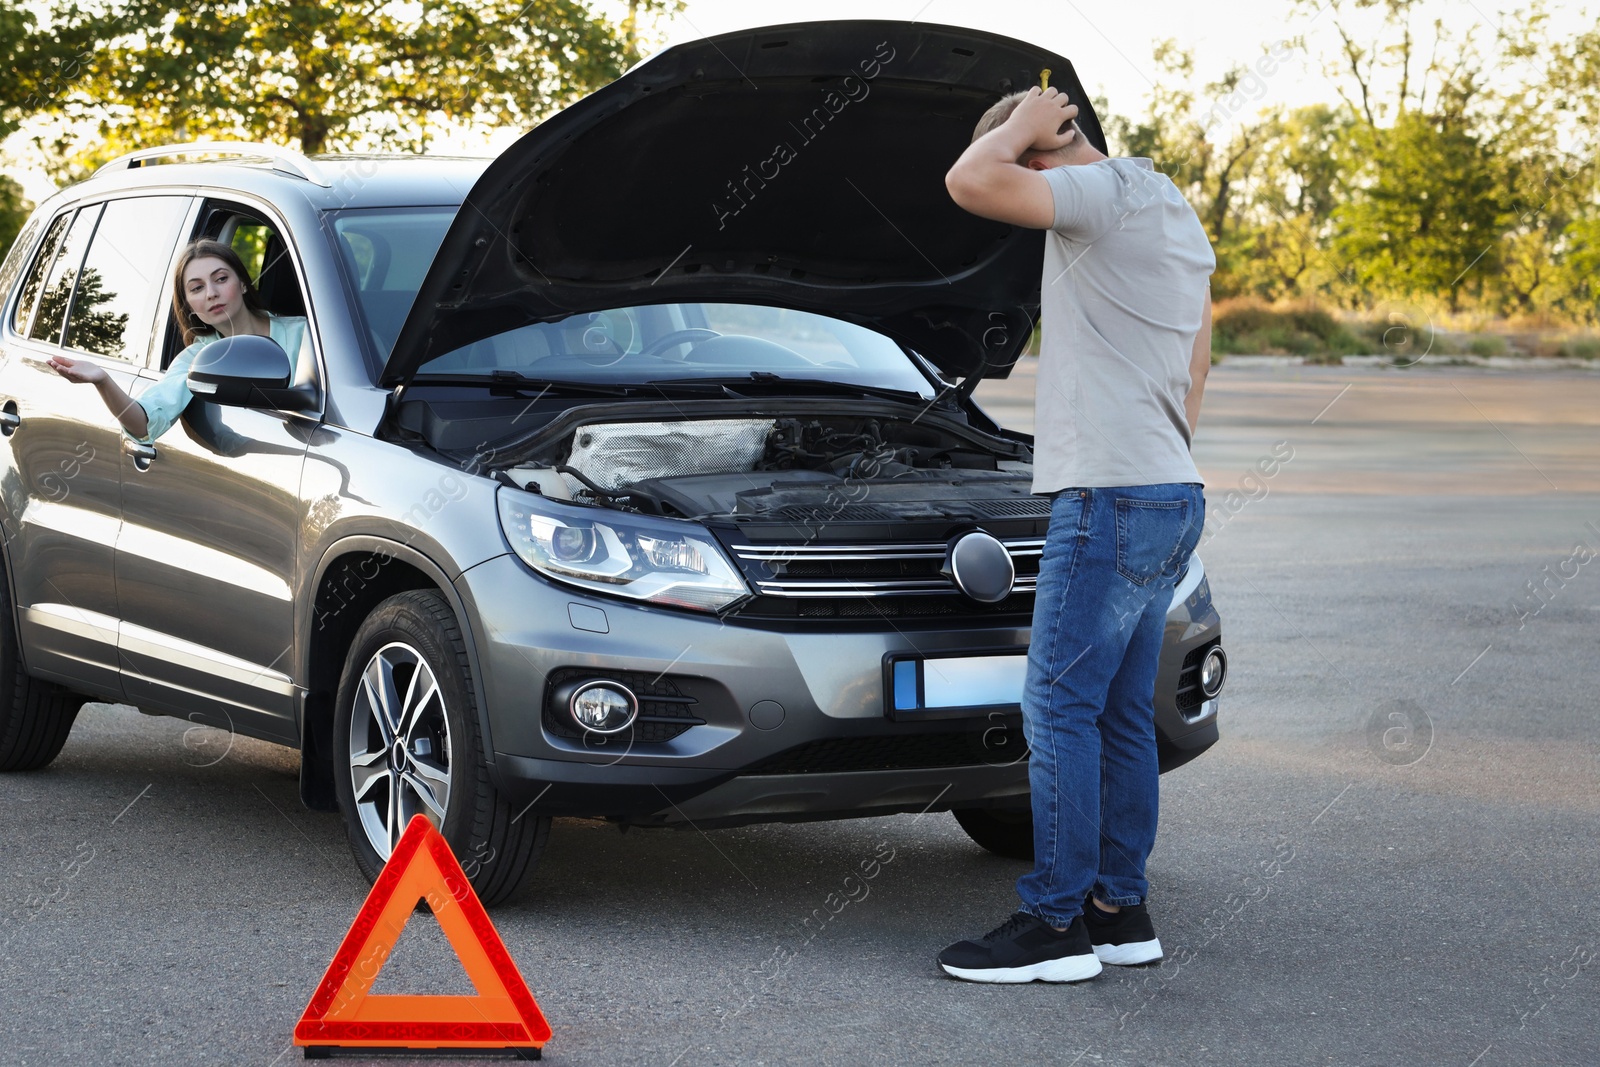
<point x="82" y="371"/>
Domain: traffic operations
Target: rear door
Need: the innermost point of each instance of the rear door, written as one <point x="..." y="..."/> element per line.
<point x="207" y="552"/>
<point x="92" y="296"/>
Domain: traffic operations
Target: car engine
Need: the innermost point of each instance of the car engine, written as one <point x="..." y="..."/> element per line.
<point x="781" y="468"/>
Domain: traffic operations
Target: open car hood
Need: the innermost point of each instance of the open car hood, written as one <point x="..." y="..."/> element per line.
<point x="800" y="166"/>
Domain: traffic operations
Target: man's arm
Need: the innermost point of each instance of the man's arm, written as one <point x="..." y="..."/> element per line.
<point x="1199" y="365"/>
<point x="987" y="180"/>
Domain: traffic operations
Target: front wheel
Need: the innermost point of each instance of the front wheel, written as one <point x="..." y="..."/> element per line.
<point x="406" y="742"/>
<point x="1006" y="832"/>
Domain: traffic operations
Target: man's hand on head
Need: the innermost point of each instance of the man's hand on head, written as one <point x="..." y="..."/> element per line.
<point x="990" y="179"/>
<point x="1047" y="117"/>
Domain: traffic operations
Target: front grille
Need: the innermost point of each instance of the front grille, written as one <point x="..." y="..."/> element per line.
<point x="902" y="752"/>
<point x="664" y="711"/>
<point x="1189" y="694"/>
<point x="883" y="578"/>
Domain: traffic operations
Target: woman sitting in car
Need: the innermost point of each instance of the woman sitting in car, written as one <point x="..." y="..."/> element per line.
<point x="212" y="298"/>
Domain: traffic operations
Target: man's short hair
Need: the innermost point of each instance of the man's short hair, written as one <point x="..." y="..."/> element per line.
<point x="996" y="116"/>
<point x="1001" y="110"/>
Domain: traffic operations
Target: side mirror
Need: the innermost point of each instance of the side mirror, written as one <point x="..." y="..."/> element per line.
<point x="249" y="372"/>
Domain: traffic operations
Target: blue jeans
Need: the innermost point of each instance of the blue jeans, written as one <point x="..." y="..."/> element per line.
<point x="1111" y="559"/>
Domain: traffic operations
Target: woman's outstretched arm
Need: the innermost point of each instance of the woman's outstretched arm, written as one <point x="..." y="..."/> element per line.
<point x="127" y="410"/>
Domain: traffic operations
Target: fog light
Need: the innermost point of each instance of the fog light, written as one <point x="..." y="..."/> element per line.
<point x="1213" y="672"/>
<point x="603" y="707"/>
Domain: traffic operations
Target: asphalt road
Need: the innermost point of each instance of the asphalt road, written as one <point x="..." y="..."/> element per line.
<point x="1389" y="858"/>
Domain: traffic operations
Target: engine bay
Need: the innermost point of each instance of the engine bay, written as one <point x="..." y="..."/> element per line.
<point x="781" y="468"/>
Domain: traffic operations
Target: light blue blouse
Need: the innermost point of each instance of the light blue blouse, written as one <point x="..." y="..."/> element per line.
<point x="164" y="401"/>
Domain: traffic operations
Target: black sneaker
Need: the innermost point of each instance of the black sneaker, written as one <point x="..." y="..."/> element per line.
<point x="1126" y="939"/>
<point x="1024" y="949"/>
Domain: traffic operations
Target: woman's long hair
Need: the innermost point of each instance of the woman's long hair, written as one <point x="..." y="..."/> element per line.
<point x="190" y="323"/>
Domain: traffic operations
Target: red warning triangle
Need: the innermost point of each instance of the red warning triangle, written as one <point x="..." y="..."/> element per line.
<point x="342" y="1011"/>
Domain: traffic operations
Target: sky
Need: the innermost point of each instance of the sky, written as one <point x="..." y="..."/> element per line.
<point x="1109" y="44"/>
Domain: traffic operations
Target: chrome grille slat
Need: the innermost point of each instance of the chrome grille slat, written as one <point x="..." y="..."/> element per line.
<point x="748" y="551"/>
<point x="785" y="557"/>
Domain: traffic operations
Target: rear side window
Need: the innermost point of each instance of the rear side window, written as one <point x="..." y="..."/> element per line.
<point x="122" y="285"/>
<point x="41" y="266"/>
<point x="14" y="259"/>
<point x="51" y="313"/>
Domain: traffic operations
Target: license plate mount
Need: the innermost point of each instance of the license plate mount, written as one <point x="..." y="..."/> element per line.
<point x="954" y="686"/>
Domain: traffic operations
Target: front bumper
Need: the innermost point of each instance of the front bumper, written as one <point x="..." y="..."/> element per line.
<point x="791" y="722"/>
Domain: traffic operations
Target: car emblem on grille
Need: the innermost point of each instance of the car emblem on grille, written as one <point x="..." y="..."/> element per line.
<point x="980" y="567"/>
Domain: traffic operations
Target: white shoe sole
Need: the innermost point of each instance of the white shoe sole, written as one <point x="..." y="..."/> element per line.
<point x="1130" y="955"/>
<point x="1066" y="969"/>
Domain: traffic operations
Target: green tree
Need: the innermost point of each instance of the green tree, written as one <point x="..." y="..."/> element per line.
<point x="1548" y="134"/>
<point x="43" y="64"/>
<point x="325" y="76"/>
<point x="1298" y="185"/>
<point x="1422" y="218"/>
<point x="14" y="211"/>
<point x="1577" y="282"/>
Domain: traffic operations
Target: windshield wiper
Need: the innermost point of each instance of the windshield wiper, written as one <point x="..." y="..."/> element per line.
<point x="816" y="385"/>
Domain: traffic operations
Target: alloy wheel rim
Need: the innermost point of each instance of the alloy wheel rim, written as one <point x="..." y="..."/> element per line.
<point x="399" y="746"/>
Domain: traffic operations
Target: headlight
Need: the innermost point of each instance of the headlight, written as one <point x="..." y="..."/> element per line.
<point x="662" y="561"/>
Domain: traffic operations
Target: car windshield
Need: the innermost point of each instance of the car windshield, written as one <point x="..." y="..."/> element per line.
<point x="387" y="252"/>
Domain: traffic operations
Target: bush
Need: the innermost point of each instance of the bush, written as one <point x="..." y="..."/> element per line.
<point x="1487" y="345"/>
<point x="1580" y="348"/>
<point x="1248" y="326"/>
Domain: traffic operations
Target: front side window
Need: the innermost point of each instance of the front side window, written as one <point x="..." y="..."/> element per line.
<point x="123" y="278"/>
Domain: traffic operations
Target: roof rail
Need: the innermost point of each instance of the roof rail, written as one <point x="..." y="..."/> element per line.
<point x="282" y="159"/>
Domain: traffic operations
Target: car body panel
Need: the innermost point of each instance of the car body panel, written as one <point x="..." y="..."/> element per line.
<point x="215" y="581"/>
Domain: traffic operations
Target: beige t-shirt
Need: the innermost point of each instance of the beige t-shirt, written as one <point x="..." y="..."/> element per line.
<point x="1126" y="265"/>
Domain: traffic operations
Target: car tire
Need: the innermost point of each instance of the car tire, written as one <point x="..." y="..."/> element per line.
<point x="423" y="752"/>
<point x="1006" y="832"/>
<point x="35" y="716"/>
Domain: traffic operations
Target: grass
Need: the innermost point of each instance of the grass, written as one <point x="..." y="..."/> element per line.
<point x="1248" y="326"/>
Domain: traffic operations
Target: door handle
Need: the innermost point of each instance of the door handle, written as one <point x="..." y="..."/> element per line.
<point x="142" y="454"/>
<point x="9" y="418"/>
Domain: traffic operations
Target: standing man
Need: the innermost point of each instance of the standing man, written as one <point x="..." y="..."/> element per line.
<point x="1126" y="311"/>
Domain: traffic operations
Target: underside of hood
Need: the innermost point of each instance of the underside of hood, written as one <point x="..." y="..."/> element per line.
<point x="800" y="166"/>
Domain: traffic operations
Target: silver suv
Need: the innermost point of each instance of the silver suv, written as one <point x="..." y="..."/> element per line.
<point x="634" y="474"/>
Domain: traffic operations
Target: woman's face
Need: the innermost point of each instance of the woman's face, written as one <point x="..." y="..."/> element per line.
<point x="214" y="291"/>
